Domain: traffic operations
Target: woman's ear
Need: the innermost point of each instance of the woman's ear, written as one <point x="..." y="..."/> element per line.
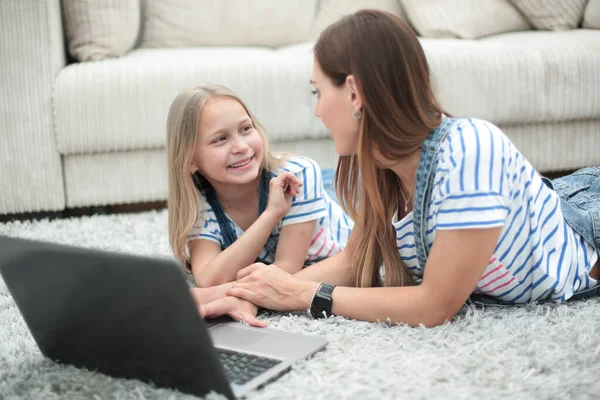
<point x="193" y="168"/>
<point x="355" y="97"/>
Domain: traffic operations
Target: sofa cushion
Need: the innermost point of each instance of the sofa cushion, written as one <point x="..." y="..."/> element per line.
<point x="123" y="103"/>
<point x="189" y="23"/>
<point x="485" y="80"/>
<point x="464" y="19"/>
<point x="553" y="15"/>
<point x="591" y="16"/>
<point x="570" y="62"/>
<point x="519" y="77"/>
<point x="332" y="10"/>
<point x="100" y="29"/>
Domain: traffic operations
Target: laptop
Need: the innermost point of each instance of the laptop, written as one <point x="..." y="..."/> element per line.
<point x="134" y="317"/>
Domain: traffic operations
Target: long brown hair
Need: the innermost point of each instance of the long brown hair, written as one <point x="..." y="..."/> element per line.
<point x="182" y="131"/>
<point x="399" y="111"/>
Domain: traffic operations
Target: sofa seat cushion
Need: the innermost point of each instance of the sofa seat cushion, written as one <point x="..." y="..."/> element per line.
<point x="122" y="104"/>
<point x="519" y="77"/>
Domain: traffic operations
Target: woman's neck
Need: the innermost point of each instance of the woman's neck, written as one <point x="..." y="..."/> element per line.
<point x="406" y="170"/>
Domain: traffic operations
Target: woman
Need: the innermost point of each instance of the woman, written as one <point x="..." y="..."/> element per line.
<point x="448" y="206"/>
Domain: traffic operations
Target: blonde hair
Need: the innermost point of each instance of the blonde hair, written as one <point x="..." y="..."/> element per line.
<point x="182" y="130"/>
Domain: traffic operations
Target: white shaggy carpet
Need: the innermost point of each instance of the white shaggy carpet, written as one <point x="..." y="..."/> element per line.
<point x="533" y="352"/>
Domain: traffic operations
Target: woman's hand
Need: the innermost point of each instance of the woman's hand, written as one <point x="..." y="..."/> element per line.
<point x="270" y="287"/>
<point x="238" y="309"/>
<point x="282" y="190"/>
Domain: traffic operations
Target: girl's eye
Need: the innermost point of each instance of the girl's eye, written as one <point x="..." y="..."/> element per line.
<point x="219" y="139"/>
<point x="246" y="128"/>
<point x="315" y="93"/>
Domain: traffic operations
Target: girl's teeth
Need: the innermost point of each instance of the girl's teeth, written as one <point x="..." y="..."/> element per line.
<point x="240" y="165"/>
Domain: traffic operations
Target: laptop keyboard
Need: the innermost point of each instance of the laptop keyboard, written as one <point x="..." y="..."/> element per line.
<point x="242" y="367"/>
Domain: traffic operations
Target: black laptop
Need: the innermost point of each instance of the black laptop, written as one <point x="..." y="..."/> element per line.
<point x="133" y="317"/>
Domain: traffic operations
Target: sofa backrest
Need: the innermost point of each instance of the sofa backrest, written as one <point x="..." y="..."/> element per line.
<point x="99" y="29"/>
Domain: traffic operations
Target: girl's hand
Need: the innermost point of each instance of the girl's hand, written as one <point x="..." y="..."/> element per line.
<point x="238" y="309"/>
<point x="271" y="287"/>
<point x="282" y="190"/>
<point x="201" y="295"/>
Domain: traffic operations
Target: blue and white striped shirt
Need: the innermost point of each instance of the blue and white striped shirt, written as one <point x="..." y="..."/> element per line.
<point x="483" y="181"/>
<point x="312" y="203"/>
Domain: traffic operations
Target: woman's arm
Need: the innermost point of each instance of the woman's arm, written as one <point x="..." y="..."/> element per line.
<point x="456" y="263"/>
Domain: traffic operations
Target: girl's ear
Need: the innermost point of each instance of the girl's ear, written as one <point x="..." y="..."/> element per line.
<point x="193" y="168"/>
<point x="354" y="95"/>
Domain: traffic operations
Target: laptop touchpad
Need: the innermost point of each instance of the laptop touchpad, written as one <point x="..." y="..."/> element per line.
<point x="239" y="337"/>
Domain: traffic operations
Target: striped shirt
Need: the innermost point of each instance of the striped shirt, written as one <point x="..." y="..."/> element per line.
<point x="332" y="229"/>
<point x="483" y="181"/>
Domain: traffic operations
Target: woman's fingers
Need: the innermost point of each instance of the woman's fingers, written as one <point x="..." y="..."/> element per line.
<point x="243" y="273"/>
<point x="239" y="290"/>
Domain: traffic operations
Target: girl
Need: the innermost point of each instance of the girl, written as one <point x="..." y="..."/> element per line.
<point x="231" y="202"/>
<point x="448" y="205"/>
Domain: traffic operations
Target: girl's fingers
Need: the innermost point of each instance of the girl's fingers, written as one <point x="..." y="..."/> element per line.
<point x="248" y="318"/>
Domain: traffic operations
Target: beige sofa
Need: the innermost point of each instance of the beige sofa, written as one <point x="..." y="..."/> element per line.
<point x="86" y="84"/>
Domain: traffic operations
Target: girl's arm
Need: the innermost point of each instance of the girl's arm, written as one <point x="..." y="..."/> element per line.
<point x="211" y="266"/>
<point x="292" y="247"/>
<point x="456" y="263"/>
<point x="335" y="270"/>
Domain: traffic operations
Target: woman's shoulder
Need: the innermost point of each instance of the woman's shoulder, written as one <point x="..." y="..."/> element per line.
<point x="475" y="137"/>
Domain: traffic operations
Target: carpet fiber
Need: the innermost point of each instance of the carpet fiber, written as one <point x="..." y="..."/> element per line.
<point x="533" y="352"/>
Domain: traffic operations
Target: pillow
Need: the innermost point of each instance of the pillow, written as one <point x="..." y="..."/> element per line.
<point x="189" y="23"/>
<point x="553" y="15"/>
<point x="463" y="19"/>
<point x="591" y="16"/>
<point x="100" y="29"/>
<point x="332" y="10"/>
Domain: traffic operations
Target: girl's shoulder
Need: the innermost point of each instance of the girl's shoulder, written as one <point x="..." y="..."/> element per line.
<point x="299" y="164"/>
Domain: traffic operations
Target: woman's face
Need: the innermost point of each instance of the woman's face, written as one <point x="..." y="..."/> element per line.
<point x="334" y="107"/>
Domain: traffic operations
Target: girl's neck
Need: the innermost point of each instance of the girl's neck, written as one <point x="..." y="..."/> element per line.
<point x="237" y="196"/>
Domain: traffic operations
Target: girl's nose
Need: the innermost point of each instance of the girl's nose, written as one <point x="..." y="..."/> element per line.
<point x="239" y="146"/>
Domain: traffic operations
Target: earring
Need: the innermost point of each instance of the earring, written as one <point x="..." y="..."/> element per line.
<point x="357" y="114"/>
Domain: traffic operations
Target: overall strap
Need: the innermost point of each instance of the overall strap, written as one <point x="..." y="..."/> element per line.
<point x="227" y="228"/>
<point x="424" y="186"/>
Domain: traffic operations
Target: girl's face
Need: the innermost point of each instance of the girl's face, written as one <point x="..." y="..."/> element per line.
<point x="228" y="149"/>
<point x="334" y="107"/>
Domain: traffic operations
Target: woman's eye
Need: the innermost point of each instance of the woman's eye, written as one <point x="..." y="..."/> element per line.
<point x="314" y="93"/>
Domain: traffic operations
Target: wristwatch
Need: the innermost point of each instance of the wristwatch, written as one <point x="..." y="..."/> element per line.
<point x="320" y="306"/>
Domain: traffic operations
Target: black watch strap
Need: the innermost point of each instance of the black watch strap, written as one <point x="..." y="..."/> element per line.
<point x="321" y="304"/>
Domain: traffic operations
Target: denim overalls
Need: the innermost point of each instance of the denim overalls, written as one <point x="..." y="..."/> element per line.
<point x="227" y="230"/>
<point x="579" y="197"/>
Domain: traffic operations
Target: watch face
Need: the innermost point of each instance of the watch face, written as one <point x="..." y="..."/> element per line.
<point x="321" y="303"/>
